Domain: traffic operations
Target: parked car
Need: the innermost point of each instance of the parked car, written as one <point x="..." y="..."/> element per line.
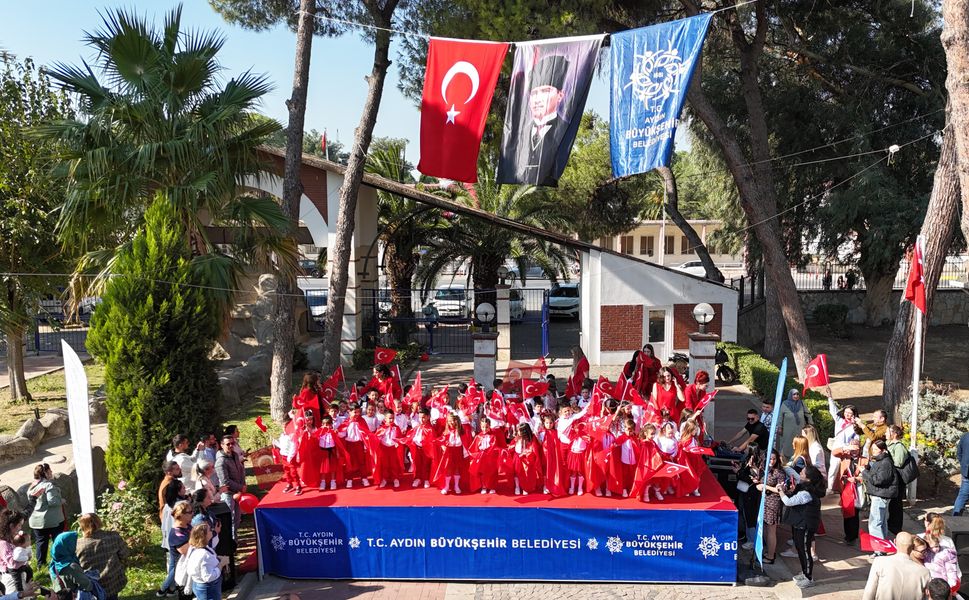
<point x="692" y="267"/>
<point x="451" y="302"/>
<point x="309" y="268"/>
<point x="563" y="300"/>
<point x="532" y="272"/>
<point x="516" y="305"/>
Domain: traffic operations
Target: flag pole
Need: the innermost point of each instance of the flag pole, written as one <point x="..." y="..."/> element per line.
<point x="916" y="375"/>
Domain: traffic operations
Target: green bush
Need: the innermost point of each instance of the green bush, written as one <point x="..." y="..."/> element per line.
<point x="153" y="332"/>
<point x="942" y="421"/>
<point x="759" y="375"/>
<point x="363" y="358"/>
<point x="834" y="317"/>
<point x="129" y="514"/>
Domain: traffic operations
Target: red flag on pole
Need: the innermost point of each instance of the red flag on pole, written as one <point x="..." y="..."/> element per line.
<point x="383" y="356"/>
<point x="335" y="379"/>
<point x="439" y="399"/>
<point x="260" y="424"/>
<point x="817" y="373"/>
<point x="458" y="86"/>
<point x="915" y="288"/>
<point x="532" y="388"/>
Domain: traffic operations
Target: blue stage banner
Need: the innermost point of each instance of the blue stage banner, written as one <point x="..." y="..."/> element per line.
<point x="472" y="543"/>
<point x="651" y="71"/>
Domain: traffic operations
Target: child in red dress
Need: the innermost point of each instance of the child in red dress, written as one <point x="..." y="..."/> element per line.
<point x="333" y="454"/>
<point x="668" y="448"/>
<point x="577" y="460"/>
<point x="485" y="454"/>
<point x="454" y="458"/>
<point x="307" y="450"/>
<point x="528" y="461"/>
<point x="420" y="441"/>
<point x="356" y="434"/>
<point x="689" y="480"/>
<point x="649" y="463"/>
<point x="554" y="478"/>
<point x="623" y="460"/>
<point x="388" y="466"/>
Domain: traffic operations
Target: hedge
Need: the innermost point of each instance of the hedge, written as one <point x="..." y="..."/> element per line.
<point x="760" y="377"/>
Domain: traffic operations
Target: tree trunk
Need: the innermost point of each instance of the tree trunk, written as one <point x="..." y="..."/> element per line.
<point x="753" y="178"/>
<point x="774" y="332"/>
<point x="878" y="298"/>
<point x="673" y="209"/>
<point x="955" y="40"/>
<point x="15" y="364"/>
<point x="937" y="229"/>
<point x="351" y="185"/>
<point x="284" y="318"/>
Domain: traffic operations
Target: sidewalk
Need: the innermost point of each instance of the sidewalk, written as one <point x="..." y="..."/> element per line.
<point x="36" y="365"/>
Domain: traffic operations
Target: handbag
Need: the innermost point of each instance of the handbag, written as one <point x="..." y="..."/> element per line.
<point x="830" y="444"/>
<point x="182" y="578"/>
<point x="861" y="496"/>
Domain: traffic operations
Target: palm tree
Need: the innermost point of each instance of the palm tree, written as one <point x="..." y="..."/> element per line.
<point x="156" y="126"/>
<point x="403" y="226"/>
<point x="485" y="247"/>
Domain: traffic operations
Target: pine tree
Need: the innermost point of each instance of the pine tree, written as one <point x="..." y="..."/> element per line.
<point x="153" y="332"/>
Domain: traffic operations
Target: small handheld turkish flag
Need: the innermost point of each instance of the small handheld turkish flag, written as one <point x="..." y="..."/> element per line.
<point x="700" y="450"/>
<point x="335" y="379"/>
<point x="260" y="424"/>
<point x="817" y="373"/>
<point x="671" y="469"/>
<point x="440" y="399"/>
<point x="415" y="392"/>
<point x="354" y="395"/>
<point x="541" y="367"/>
<point x="871" y="543"/>
<point x="706" y="399"/>
<point x="532" y="388"/>
<point x="383" y="356"/>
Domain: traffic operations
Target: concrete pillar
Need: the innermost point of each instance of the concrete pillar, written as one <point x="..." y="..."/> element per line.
<point x="503" y="308"/>
<point x="485" y="356"/>
<point x="703" y="357"/>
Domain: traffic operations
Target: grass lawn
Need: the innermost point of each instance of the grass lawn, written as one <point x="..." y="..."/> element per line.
<point x="48" y="392"/>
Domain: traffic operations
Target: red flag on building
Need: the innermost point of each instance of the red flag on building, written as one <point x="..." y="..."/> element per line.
<point x="323" y="144"/>
<point x="817" y="373"/>
<point x="458" y="86"/>
<point x="915" y="288"/>
<point x="383" y="356"/>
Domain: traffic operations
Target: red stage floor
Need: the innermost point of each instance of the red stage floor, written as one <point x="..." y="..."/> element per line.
<point x="712" y="497"/>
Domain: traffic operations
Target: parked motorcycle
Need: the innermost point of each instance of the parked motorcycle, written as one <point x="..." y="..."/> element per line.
<point x="725" y="374"/>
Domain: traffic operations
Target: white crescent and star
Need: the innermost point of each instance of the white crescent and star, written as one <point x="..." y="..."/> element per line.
<point x="466" y="68"/>
<point x="813" y="371"/>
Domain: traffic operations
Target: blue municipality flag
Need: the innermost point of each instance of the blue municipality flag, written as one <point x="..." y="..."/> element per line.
<point x="778" y="396"/>
<point x="651" y="71"/>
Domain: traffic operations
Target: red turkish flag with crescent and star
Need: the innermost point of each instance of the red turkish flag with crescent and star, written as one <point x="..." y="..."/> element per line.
<point x="671" y="469"/>
<point x="458" y="86"/>
<point x="817" y="373"/>
<point x="915" y="287"/>
<point x="532" y="388"/>
<point x="383" y="356"/>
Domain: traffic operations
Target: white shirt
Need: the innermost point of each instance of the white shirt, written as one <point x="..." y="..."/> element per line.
<point x="389" y="437"/>
<point x="338" y="420"/>
<point x="203" y="565"/>
<point x="667" y="445"/>
<point x="286" y="445"/>
<point x="454" y="439"/>
<point x="628" y="453"/>
<point x="563" y="424"/>
<point x="402" y="421"/>
<point x="372" y="422"/>
<point x="353" y="432"/>
<point x="579" y="445"/>
<point x="188" y="467"/>
<point x="484" y="442"/>
<point x="816" y="452"/>
<point x="418" y="438"/>
<point x="326" y="440"/>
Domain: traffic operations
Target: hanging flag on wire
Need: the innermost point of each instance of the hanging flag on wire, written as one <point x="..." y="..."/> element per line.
<point x="458" y="86"/>
<point x="915" y="288"/>
<point x="549" y="85"/>
<point x="651" y="72"/>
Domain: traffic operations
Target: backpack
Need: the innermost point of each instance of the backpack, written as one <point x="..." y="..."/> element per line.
<point x="909" y="471"/>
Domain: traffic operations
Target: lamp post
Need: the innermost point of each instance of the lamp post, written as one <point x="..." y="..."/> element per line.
<point x="485" y="313"/>
<point x="502" y="273"/>
<point x="703" y="313"/>
<point x="485" y="344"/>
<point x="703" y="357"/>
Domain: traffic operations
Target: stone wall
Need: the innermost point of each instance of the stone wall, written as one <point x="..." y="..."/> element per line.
<point x="951" y="307"/>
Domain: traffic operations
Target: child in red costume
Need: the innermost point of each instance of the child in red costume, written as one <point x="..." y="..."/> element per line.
<point x="308" y="455"/>
<point x="333" y="453"/>
<point x="692" y="395"/>
<point x="421" y="442"/>
<point x="285" y="447"/>
<point x="668" y="448"/>
<point x="454" y="457"/>
<point x="485" y="455"/>
<point x="602" y="441"/>
<point x="649" y="463"/>
<point x="689" y="481"/>
<point x="552" y="464"/>
<point x="577" y="460"/>
<point x="623" y="459"/>
<point x="388" y="467"/>
<point x="357" y="435"/>
<point x="528" y="461"/>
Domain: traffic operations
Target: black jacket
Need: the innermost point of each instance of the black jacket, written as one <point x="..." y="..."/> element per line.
<point x="880" y="477"/>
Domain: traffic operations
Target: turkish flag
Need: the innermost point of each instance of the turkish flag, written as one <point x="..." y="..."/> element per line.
<point x="415" y="392"/>
<point x="517" y="413"/>
<point x="871" y="543"/>
<point x="817" y="373"/>
<point x="532" y="388"/>
<point x="496" y="407"/>
<point x="702" y="450"/>
<point x="473" y="398"/>
<point x="335" y="379"/>
<point x="354" y="396"/>
<point x="541" y="367"/>
<point x="458" y="86"/>
<point x="706" y="399"/>
<point x="391" y="402"/>
<point x="605" y="387"/>
<point x="383" y="356"/>
<point x="439" y="399"/>
<point x="671" y="469"/>
<point x="915" y="288"/>
<point x="635" y="397"/>
<point x="260" y="424"/>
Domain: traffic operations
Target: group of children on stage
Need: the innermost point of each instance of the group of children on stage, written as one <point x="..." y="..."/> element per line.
<point x="596" y="441"/>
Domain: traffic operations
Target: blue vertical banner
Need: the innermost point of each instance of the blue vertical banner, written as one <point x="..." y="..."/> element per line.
<point x="778" y="396"/>
<point x="651" y="72"/>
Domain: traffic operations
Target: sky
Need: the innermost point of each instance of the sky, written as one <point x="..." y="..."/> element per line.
<point x="337" y="68"/>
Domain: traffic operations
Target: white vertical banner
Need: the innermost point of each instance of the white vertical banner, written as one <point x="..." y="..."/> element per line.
<point x="80" y="420"/>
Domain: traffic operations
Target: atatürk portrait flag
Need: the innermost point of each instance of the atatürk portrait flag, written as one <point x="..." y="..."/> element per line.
<point x="458" y="86"/>
<point x="549" y="85"/>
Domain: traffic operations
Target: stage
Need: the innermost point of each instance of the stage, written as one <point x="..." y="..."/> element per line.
<point x="417" y="533"/>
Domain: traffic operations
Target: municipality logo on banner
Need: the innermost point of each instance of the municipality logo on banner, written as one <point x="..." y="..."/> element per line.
<point x="651" y="72"/>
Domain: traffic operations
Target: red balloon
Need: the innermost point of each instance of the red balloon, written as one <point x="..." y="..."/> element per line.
<point x="247" y="503"/>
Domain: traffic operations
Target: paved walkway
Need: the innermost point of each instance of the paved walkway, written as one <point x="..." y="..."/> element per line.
<point x="36" y="365"/>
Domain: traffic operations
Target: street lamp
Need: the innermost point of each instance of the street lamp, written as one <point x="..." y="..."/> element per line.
<point x="502" y="273"/>
<point x="703" y="313"/>
<point x="485" y="313"/>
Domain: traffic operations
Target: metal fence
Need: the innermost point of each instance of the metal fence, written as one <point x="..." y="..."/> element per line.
<point x="750" y="290"/>
<point x="46" y="332"/>
<point x="954" y="272"/>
